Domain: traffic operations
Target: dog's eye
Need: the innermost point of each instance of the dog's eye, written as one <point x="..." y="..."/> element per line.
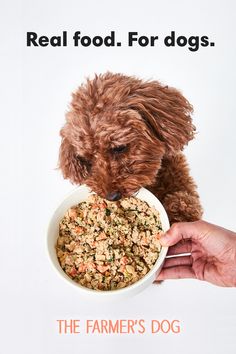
<point x="84" y="161"/>
<point x="119" y="149"/>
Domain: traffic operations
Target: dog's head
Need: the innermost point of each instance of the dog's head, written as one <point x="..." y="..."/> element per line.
<point x="117" y="131"/>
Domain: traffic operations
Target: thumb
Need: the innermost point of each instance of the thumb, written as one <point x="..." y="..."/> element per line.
<point x="182" y="231"/>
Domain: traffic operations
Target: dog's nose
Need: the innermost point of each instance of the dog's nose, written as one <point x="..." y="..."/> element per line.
<point x="113" y="196"/>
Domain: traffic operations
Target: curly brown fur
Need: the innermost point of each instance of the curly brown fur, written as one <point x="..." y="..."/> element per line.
<point x="122" y="133"/>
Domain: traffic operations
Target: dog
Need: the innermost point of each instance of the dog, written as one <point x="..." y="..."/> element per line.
<point x="123" y="133"/>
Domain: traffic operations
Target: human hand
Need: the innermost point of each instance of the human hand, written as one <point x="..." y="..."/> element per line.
<point x="212" y="253"/>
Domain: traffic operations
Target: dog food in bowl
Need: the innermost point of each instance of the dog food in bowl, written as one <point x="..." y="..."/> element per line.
<point x="105" y="245"/>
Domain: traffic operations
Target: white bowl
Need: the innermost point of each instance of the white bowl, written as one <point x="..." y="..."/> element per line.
<point x="78" y="195"/>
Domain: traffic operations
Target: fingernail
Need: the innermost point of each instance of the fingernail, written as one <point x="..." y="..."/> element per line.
<point x="164" y="240"/>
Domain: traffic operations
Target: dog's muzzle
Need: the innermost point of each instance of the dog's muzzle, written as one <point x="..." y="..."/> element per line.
<point x="113" y="196"/>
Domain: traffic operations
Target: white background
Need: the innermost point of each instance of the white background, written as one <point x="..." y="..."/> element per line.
<point x="35" y="91"/>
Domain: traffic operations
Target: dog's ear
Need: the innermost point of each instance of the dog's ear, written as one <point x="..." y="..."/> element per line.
<point x="166" y="112"/>
<point x="71" y="168"/>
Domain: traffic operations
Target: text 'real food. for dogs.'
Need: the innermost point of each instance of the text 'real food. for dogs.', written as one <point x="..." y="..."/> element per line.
<point x="105" y="245"/>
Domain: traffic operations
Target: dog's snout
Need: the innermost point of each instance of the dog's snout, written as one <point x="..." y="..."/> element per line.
<point x="113" y="196"/>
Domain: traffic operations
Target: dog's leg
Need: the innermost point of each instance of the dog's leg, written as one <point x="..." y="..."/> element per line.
<point x="177" y="191"/>
<point x="181" y="206"/>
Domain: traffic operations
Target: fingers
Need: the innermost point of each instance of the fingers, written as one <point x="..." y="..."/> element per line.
<point x="178" y="261"/>
<point x="182" y="231"/>
<point x="180" y="247"/>
<point x="180" y="272"/>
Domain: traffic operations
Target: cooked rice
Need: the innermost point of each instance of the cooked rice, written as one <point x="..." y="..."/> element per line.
<point x="105" y="245"/>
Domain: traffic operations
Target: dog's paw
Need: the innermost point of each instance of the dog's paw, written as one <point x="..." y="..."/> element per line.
<point x="180" y="206"/>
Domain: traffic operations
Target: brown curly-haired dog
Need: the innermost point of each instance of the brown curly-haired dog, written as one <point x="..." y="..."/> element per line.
<point x="122" y="133"/>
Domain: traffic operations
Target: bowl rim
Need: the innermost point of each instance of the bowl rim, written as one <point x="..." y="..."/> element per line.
<point x="105" y="293"/>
